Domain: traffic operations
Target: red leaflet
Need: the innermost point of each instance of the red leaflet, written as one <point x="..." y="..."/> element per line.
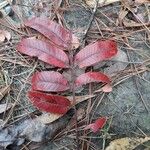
<point x="97" y="125"/>
<point x="49" y="81"/>
<point x="95" y="53"/>
<point x="53" y="31"/>
<point x="91" y="77"/>
<point x="49" y="103"/>
<point x="44" y="51"/>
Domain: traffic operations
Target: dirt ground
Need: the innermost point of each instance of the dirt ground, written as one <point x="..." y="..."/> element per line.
<point x="127" y="106"/>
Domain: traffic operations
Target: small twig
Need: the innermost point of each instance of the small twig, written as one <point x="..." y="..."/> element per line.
<point x="90" y="21"/>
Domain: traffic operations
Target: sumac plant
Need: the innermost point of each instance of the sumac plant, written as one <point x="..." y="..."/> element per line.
<point x="58" y="49"/>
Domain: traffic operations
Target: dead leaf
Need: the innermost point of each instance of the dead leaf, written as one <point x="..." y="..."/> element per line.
<point x="4" y="35"/>
<point x="92" y="3"/>
<point x="75" y="42"/>
<point x="4" y="91"/>
<point x="80" y="113"/>
<point x="142" y="1"/>
<point x="51" y="117"/>
<point x="48" y="118"/>
<point x="126" y="143"/>
<point x="7" y="35"/>
<point x="5" y="107"/>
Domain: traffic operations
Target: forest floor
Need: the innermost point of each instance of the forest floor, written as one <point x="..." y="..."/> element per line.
<point x="127" y="106"/>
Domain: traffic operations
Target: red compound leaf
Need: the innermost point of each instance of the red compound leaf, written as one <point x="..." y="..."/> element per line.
<point x="44" y="51"/>
<point x="49" y="81"/>
<point x="97" y="125"/>
<point x="49" y="103"/>
<point x="52" y="30"/>
<point x="91" y="77"/>
<point x="94" y="53"/>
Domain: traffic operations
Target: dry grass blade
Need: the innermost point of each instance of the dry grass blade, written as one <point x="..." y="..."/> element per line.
<point x="4" y="91"/>
<point x="80" y="99"/>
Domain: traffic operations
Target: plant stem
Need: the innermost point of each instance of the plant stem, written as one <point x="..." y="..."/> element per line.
<point x="74" y="98"/>
<point x="75" y="116"/>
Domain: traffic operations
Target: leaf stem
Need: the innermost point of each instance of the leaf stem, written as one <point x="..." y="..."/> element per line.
<point x="74" y="98"/>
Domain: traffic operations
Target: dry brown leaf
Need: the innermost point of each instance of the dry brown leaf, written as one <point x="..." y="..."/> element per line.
<point x="142" y="1"/>
<point x="48" y="118"/>
<point x="4" y="35"/>
<point x="7" y="35"/>
<point x="75" y="42"/>
<point x="5" y="107"/>
<point x="4" y="91"/>
<point x="126" y="143"/>
<point x="92" y="3"/>
<point x="51" y="117"/>
<point x="80" y="113"/>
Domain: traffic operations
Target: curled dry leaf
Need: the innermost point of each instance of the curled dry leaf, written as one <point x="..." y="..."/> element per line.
<point x="128" y="144"/>
<point x="91" y="77"/>
<point x="49" y="81"/>
<point x="94" y="53"/>
<point x="97" y="125"/>
<point x="5" y="107"/>
<point x="53" y="31"/>
<point x="49" y="103"/>
<point x="4" y="35"/>
<point x="44" y="51"/>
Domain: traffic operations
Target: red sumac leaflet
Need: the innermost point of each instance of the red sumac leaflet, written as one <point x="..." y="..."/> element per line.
<point x="94" y="53"/>
<point x="44" y="51"/>
<point x="97" y="125"/>
<point x="91" y="77"/>
<point x="49" y="103"/>
<point x="49" y="81"/>
<point x="52" y="30"/>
